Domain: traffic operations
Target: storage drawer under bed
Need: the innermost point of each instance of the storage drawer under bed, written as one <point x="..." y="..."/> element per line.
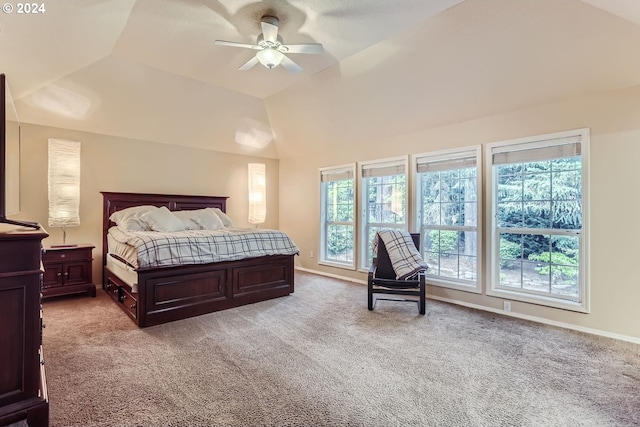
<point x="112" y="289"/>
<point x="121" y="294"/>
<point x="129" y="302"/>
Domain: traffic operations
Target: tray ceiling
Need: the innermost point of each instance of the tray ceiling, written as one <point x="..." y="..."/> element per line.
<point x="149" y="70"/>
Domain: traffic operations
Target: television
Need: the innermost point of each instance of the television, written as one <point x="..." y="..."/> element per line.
<point x="9" y="157"/>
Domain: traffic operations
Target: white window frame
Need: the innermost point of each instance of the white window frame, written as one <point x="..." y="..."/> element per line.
<point x="493" y="267"/>
<point x="402" y="163"/>
<point x="346" y="171"/>
<point x="450" y="157"/>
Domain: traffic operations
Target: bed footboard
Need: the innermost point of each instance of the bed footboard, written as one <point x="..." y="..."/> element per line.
<point x="168" y="294"/>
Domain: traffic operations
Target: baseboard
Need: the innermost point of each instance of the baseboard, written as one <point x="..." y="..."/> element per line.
<point x="333" y="276"/>
<point x="542" y="320"/>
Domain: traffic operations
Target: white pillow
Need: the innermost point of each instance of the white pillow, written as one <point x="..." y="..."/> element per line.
<point x="162" y="219"/>
<point x="226" y="221"/>
<point x="135" y="212"/>
<point x="207" y="219"/>
<point x="187" y="218"/>
<point x="133" y="224"/>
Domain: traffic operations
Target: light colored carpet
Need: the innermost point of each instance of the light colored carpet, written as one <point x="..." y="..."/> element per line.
<point x="319" y="358"/>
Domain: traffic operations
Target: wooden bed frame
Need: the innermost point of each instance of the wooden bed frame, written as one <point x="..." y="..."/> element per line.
<point x="166" y="294"/>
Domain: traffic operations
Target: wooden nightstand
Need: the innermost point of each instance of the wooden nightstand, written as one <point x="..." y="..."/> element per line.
<point x="67" y="270"/>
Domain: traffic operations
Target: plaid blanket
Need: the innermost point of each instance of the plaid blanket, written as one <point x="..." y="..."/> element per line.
<point x="156" y="249"/>
<point x="405" y="258"/>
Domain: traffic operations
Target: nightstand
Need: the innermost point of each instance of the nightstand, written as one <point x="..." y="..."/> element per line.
<point x="67" y="270"/>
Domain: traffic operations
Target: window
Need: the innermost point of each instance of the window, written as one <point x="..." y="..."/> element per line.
<point x="384" y="201"/>
<point x="337" y="198"/>
<point x="538" y="219"/>
<point x="447" y="212"/>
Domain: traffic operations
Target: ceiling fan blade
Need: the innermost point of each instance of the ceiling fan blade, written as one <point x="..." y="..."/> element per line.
<point x="291" y="66"/>
<point x="302" y="48"/>
<point x="249" y="64"/>
<point x="236" y="44"/>
<point x="269" y="28"/>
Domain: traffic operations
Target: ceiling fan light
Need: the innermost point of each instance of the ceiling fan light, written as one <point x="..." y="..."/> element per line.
<point x="270" y="58"/>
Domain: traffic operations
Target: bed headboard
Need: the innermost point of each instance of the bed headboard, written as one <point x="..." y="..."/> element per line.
<point x="117" y="201"/>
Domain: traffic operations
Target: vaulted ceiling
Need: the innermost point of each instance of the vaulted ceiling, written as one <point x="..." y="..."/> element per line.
<point x="149" y="69"/>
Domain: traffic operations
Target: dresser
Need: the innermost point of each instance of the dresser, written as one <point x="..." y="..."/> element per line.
<point x="23" y="389"/>
<point x="68" y="270"/>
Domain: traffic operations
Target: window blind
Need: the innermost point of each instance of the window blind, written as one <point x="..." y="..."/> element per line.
<point x="338" y="174"/>
<point x="383" y="169"/>
<point x="534" y="151"/>
<point x="462" y="160"/>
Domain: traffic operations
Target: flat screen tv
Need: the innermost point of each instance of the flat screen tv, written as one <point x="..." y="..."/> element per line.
<point x="9" y="142"/>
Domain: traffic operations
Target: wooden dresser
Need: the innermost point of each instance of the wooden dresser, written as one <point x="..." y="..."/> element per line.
<point x="23" y="390"/>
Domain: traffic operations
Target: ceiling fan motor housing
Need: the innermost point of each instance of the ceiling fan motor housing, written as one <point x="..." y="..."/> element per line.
<point x="266" y="44"/>
<point x="270" y="20"/>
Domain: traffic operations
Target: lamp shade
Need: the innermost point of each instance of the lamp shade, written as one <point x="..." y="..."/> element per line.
<point x="270" y="58"/>
<point x="64" y="183"/>
<point x="257" y="193"/>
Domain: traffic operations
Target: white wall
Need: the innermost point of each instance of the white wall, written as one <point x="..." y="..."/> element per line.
<point x="614" y="120"/>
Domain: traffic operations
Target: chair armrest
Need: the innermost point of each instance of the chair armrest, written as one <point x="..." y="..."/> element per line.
<point x="372" y="269"/>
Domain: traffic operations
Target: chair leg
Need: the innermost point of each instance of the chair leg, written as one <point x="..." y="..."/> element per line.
<point x="370" y="296"/>
<point x="423" y="296"/>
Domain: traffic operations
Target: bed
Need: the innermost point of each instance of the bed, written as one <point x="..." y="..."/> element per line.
<point x="156" y="295"/>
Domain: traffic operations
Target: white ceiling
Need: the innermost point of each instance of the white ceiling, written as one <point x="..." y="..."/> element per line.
<point x="148" y="69"/>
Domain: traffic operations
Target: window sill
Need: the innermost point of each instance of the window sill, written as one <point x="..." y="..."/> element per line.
<point x="452" y="284"/>
<point x="337" y="265"/>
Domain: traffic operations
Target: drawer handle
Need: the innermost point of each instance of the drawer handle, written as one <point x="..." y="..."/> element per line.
<point x="132" y="306"/>
<point x="59" y="274"/>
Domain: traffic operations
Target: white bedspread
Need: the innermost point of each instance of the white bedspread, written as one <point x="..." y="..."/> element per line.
<point x="157" y="249"/>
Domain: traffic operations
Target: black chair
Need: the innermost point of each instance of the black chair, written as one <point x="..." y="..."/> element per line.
<point x="382" y="279"/>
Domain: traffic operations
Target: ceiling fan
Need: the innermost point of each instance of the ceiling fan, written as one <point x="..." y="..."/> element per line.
<point x="270" y="47"/>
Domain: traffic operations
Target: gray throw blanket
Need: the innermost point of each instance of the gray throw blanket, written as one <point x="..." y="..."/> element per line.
<point x="405" y="258"/>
